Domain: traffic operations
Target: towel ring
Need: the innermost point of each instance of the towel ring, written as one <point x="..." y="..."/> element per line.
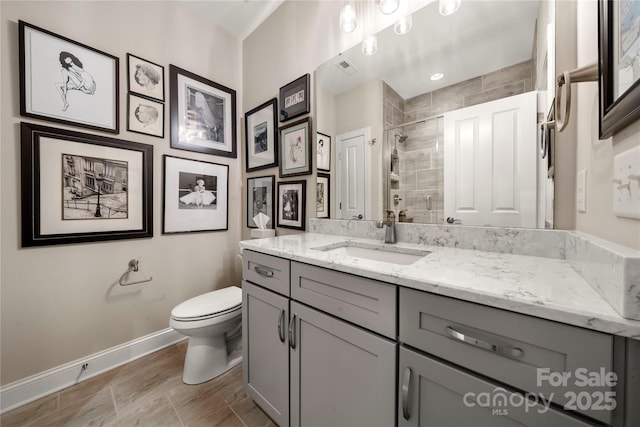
<point x="132" y="266"/>
<point x="588" y="73"/>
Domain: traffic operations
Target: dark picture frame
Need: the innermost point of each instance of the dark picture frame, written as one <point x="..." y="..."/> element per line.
<point x="145" y="116"/>
<point x="261" y="133"/>
<point x="291" y="204"/>
<point x="79" y="188"/>
<point x="323" y="195"/>
<point x="619" y="55"/>
<point x="203" y="114"/>
<point x="323" y="152"/>
<point x="196" y="196"/>
<point x="295" y="148"/>
<point x="294" y="98"/>
<point x="145" y="78"/>
<point x="261" y="198"/>
<point x="67" y="82"/>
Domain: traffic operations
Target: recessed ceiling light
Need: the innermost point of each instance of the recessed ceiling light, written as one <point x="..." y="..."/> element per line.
<point x="436" y="76"/>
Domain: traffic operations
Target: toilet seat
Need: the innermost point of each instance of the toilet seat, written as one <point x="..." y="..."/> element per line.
<point x="206" y="306"/>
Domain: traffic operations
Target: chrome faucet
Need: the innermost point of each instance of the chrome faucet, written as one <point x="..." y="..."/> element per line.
<point x="390" y="231"/>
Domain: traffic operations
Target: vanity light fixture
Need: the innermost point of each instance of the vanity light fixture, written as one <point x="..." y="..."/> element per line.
<point x="348" y="18"/>
<point x="389" y="6"/>
<point x="403" y="25"/>
<point x="448" y="7"/>
<point x="436" y="76"/>
<point x="370" y="45"/>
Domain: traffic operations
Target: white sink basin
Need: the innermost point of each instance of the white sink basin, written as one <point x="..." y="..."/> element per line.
<point x="373" y="252"/>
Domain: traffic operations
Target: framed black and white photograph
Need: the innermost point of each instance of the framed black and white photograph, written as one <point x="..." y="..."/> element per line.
<point x="145" y="78"/>
<point x="323" y="195"/>
<point x="145" y="116"/>
<point x="619" y="59"/>
<point x="67" y="82"/>
<point x="196" y="196"/>
<point x="78" y="187"/>
<point x="323" y="152"/>
<point x="294" y="98"/>
<point x="261" y="133"/>
<point x="295" y="148"/>
<point x="260" y="199"/>
<point x="291" y="204"/>
<point x="203" y="114"/>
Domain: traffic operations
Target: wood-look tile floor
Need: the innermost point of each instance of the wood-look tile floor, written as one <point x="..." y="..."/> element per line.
<point x="146" y="392"/>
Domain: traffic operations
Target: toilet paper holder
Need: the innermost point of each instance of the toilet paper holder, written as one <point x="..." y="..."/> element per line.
<point x="132" y="266"/>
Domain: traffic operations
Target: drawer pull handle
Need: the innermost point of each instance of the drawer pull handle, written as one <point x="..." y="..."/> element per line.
<point x="506" y="351"/>
<point x="263" y="271"/>
<point x="281" y="326"/>
<point x="292" y="333"/>
<point x="406" y="382"/>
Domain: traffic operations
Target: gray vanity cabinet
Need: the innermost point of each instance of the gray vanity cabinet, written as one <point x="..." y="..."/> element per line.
<point x="265" y="343"/>
<point x="341" y="375"/>
<point x="436" y="394"/>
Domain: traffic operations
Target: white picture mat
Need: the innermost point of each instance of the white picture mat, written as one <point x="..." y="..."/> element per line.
<point x="177" y="220"/>
<point x="183" y="81"/>
<point x="51" y="185"/>
<point x="282" y="189"/>
<point x="43" y="70"/>
<point x="266" y="157"/>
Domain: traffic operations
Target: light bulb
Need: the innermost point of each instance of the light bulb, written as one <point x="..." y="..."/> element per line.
<point x="403" y="25"/>
<point x="370" y="45"/>
<point x="348" y="18"/>
<point x="448" y="7"/>
<point x="389" y="6"/>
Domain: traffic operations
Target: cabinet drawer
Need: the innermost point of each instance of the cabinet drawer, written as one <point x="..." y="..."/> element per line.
<point x="265" y="270"/>
<point x="435" y="394"/>
<point x="365" y="302"/>
<point x="516" y="349"/>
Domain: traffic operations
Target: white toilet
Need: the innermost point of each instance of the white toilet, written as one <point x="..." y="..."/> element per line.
<point x="213" y="323"/>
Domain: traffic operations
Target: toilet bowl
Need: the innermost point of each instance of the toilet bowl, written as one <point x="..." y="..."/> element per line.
<point x="213" y="323"/>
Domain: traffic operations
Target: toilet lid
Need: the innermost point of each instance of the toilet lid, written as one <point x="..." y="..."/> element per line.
<point x="210" y="303"/>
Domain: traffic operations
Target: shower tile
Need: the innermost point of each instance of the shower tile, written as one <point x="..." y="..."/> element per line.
<point x="457" y="91"/>
<point x="497" y="93"/>
<point x="418" y="160"/>
<point x="504" y="76"/>
<point x="418" y="102"/>
<point x="428" y="179"/>
<point x="408" y="180"/>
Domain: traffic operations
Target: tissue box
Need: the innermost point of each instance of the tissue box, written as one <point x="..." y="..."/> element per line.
<point x="259" y="233"/>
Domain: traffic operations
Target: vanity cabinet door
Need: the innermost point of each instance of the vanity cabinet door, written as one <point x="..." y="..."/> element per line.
<point x="435" y="394"/>
<point x="341" y="375"/>
<point x="265" y="347"/>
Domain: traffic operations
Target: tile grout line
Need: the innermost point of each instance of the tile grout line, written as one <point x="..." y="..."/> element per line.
<point x="234" y="413"/>
<point x="113" y="399"/>
<point x="173" y="406"/>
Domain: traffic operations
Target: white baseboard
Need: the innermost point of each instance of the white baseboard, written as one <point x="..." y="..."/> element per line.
<point x="47" y="382"/>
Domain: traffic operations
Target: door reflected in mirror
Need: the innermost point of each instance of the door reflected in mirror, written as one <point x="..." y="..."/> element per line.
<point x="463" y="147"/>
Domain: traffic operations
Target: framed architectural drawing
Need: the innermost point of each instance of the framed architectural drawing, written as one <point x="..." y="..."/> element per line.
<point x="145" y="78"/>
<point x="196" y="196"/>
<point x="260" y="199"/>
<point x="67" y="82"/>
<point x="78" y="187"/>
<point x="262" y="136"/>
<point x="203" y="114"/>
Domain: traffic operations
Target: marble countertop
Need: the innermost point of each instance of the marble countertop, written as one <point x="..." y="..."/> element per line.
<point x="543" y="287"/>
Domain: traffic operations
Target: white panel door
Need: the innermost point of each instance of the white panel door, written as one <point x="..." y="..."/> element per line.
<point x="352" y="175"/>
<point x="490" y="163"/>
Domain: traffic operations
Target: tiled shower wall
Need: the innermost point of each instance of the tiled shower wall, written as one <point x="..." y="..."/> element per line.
<point x="421" y="155"/>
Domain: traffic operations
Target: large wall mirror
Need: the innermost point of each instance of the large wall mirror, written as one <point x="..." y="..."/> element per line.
<point x="442" y="124"/>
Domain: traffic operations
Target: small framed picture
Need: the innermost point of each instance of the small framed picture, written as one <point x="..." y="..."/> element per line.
<point x="196" y="196"/>
<point x="145" y="116"/>
<point x="79" y="187"/>
<point x="203" y="114"/>
<point x="294" y="98"/>
<point x="323" y="151"/>
<point x="260" y="199"/>
<point x="295" y="148"/>
<point x="323" y="193"/>
<point x="291" y="204"/>
<point x="67" y="82"/>
<point x="262" y="136"/>
<point x="145" y="78"/>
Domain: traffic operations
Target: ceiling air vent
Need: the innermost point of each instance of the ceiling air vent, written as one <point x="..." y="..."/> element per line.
<point x="346" y="67"/>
